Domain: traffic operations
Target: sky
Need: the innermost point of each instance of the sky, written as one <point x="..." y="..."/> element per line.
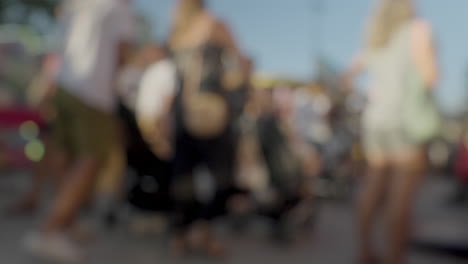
<point x="281" y="35"/>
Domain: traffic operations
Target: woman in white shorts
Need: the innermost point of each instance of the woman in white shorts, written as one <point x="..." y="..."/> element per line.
<point x="396" y="39"/>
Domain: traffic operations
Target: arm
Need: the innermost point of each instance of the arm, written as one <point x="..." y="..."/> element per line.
<point x="357" y="66"/>
<point x="124" y="53"/>
<point x="154" y="103"/>
<point x="156" y="133"/>
<point x="223" y="35"/>
<point x="424" y="52"/>
<point x="123" y="21"/>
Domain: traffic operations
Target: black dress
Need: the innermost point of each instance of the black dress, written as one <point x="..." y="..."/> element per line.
<point x="217" y="153"/>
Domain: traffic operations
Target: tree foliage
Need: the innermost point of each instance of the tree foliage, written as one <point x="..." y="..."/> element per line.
<point x="36" y="13"/>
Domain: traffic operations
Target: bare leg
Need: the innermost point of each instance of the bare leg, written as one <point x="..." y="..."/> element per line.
<point x="201" y="237"/>
<point x="404" y="188"/>
<point x="60" y="163"/>
<point x="369" y="200"/>
<point x="110" y="179"/>
<point x="73" y="194"/>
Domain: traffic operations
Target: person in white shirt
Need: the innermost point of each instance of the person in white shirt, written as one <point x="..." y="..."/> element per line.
<point x="96" y="35"/>
<point x="158" y="88"/>
<point x="128" y="81"/>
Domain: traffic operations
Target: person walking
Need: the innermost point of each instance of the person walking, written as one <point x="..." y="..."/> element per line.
<point x="399" y="56"/>
<point x="97" y="35"/>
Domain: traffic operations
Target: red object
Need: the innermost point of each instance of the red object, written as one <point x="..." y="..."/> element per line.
<point x="12" y="151"/>
<point x="12" y="117"/>
<point x="461" y="163"/>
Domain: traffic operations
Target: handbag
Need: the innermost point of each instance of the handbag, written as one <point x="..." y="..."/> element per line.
<point x="206" y="105"/>
<point x="421" y="118"/>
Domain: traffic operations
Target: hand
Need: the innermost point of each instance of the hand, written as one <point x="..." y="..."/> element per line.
<point x="162" y="148"/>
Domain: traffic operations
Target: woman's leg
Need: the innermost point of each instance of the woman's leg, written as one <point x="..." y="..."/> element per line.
<point x="370" y="199"/>
<point x="183" y="192"/>
<point x="72" y="195"/>
<point x="220" y="157"/>
<point x="405" y="183"/>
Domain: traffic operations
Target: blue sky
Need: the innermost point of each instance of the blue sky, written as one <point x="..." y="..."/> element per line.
<point x="279" y="34"/>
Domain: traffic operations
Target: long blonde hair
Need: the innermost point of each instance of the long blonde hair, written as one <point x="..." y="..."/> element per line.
<point x="388" y="17"/>
<point x="185" y="13"/>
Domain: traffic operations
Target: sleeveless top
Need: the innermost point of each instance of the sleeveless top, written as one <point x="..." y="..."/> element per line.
<point x="210" y="82"/>
<point x="388" y="68"/>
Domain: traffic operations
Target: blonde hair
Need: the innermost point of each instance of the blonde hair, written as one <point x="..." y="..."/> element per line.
<point x="186" y="12"/>
<point x="388" y="17"/>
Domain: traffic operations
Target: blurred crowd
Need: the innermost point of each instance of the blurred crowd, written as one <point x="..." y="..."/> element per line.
<point x="130" y="125"/>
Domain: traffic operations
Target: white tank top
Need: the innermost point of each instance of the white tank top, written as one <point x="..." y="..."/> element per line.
<point x="388" y="68"/>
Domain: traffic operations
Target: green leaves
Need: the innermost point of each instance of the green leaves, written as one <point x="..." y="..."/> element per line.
<point x="36" y="13"/>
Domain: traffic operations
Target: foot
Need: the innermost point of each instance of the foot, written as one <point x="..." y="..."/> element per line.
<point x="178" y="246"/>
<point x="201" y="239"/>
<point x="196" y="236"/>
<point x="214" y="248"/>
<point x="368" y="259"/>
<point x="52" y="247"/>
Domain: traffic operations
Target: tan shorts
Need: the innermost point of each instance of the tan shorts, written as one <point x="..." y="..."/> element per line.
<point x="82" y="130"/>
<point x="386" y="140"/>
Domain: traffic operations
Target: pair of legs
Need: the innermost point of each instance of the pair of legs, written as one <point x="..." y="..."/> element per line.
<point x="73" y="194"/>
<point x="52" y="169"/>
<point x="393" y="179"/>
<point x="192" y="218"/>
<point x="85" y="136"/>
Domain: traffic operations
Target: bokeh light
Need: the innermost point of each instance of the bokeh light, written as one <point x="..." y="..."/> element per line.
<point x="34" y="150"/>
<point x="29" y="130"/>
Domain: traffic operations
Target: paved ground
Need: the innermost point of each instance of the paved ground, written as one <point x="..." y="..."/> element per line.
<point x="333" y="241"/>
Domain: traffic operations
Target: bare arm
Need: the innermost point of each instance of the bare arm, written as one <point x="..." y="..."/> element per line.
<point x="124" y="54"/>
<point x="156" y="133"/>
<point x="154" y="103"/>
<point x="357" y="66"/>
<point x="424" y="52"/>
<point x="223" y="35"/>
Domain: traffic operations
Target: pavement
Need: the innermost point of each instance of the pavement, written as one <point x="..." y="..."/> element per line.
<point x="332" y="242"/>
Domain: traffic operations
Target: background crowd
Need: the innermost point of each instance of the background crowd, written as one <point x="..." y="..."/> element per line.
<point x="109" y="128"/>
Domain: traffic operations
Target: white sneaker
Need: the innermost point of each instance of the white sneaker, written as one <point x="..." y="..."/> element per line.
<point x="53" y="247"/>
